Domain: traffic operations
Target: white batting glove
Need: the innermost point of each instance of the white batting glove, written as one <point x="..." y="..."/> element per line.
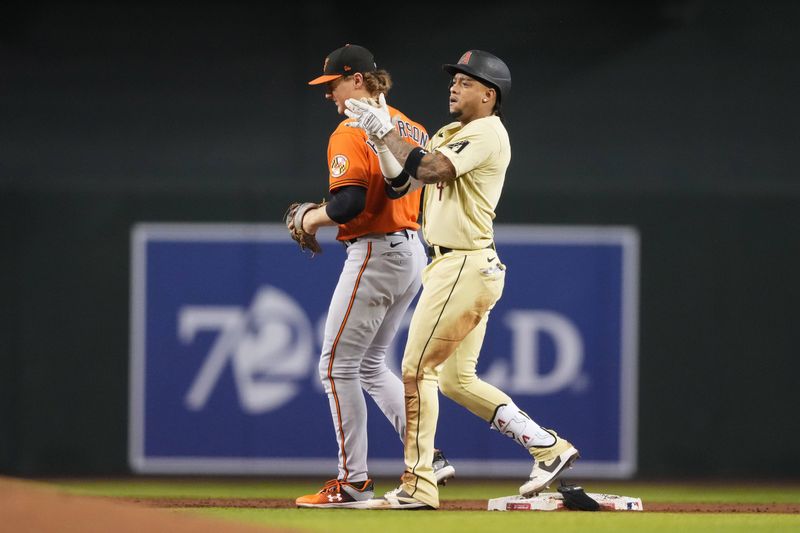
<point x="372" y="140"/>
<point x="373" y="120"/>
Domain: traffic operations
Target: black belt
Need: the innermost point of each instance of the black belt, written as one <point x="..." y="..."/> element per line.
<point x="398" y="233"/>
<point x="444" y="250"/>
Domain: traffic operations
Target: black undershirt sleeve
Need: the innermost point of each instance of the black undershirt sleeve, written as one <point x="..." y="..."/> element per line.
<point x="347" y="203"/>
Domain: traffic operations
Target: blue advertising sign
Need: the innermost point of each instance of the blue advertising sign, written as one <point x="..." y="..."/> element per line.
<point x="226" y="330"/>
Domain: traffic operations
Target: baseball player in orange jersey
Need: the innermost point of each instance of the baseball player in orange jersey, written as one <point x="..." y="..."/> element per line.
<point x="462" y="169"/>
<point x="381" y="276"/>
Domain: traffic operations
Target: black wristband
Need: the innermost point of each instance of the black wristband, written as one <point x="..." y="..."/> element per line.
<point x="413" y="160"/>
<point x="394" y="194"/>
<point x="399" y="181"/>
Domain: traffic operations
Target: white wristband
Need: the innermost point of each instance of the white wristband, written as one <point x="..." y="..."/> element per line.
<point x="390" y="167"/>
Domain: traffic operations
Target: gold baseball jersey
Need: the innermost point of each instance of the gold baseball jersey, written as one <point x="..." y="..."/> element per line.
<point x="458" y="214"/>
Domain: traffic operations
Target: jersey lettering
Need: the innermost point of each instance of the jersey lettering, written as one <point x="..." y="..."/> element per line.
<point x="412" y="132"/>
<point x="372" y="146"/>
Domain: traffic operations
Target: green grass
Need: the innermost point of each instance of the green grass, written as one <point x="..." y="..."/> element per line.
<point x="474" y="521"/>
<point x="203" y="488"/>
<point x="327" y="520"/>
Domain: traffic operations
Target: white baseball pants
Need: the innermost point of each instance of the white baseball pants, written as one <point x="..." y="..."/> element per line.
<point x="381" y="276"/>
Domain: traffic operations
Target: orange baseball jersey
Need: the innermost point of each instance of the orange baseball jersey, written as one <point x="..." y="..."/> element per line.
<point x="353" y="160"/>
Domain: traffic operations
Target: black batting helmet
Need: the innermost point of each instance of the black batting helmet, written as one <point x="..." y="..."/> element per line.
<point x="485" y="67"/>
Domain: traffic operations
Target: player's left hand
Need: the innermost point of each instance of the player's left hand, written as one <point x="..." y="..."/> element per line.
<point x="294" y="223"/>
<point x="376" y="121"/>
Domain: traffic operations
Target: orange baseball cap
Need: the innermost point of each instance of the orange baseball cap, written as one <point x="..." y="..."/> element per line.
<point x="345" y="61"/>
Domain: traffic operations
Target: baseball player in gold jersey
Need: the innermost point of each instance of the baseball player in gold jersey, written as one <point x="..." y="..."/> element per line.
<point x="462" y="169"/>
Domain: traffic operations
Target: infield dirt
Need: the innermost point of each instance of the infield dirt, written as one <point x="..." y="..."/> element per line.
<point x="29" y="507"/>
<point x="35" y="507"/>
<point x="475" y="505"/>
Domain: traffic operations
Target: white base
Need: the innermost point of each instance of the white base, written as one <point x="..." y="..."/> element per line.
<point x="554" y="501"/>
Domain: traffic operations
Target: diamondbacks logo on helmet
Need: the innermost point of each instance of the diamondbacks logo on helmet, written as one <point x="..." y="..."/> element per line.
<point x="339" y="165"/>
<point x="465" y="58"/>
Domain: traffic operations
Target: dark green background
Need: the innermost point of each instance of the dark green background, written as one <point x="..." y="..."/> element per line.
<point x="677" y="118"/>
